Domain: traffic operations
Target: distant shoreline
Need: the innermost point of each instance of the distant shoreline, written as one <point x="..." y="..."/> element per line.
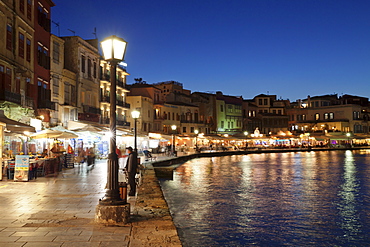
<point x="172" y="163"/>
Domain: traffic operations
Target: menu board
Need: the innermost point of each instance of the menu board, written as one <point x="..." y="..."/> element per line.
<point x="22" y="167"/>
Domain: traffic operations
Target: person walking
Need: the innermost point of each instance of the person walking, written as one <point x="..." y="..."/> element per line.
<point x="131" y="167"/>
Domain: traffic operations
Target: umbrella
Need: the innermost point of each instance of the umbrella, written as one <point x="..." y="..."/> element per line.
<point x="67" y="135"/>
<point x="47" y="134"/>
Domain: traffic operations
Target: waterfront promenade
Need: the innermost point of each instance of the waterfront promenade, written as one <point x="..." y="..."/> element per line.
<point x="60" y="211"/>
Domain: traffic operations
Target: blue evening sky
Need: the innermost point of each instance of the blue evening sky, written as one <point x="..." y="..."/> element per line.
<point x="290" y="48"/>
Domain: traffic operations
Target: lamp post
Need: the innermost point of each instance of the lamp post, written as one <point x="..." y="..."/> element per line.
<point x="348" y="141"/>
<point x="246" y="141"/>
<point x="135" y="115"/>
<point x="173" y="127"/>
<point x="196" y="132"/>
<point x="110" y="208"/>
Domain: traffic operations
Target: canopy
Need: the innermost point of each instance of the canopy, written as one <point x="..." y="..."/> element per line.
<point x="15" y="126"/>
<point x="48" y="133"/>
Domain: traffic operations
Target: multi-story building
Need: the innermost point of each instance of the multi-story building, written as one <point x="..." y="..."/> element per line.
<point x="221" y="114"/>
<point x="145" y="106"/>
<point x="330" y="113"/>
<point x="17" y="59"/>
<point x="266" y="113"/>
<point x="121" y="91"/>
<point x="63" y="86"/>
<point x="150" y="96"/>
<point x="82" y="58"/>
<point x="42" y="36"/>
<point x="169" y="87"/>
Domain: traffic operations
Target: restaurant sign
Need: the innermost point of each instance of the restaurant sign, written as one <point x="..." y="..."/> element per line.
<point x="21" y="169"/>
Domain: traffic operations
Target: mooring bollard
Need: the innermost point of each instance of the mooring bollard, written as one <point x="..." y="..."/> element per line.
<point x="123" y="190"/>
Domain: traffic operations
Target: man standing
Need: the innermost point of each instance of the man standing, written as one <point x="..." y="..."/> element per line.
<point x="131" y="167"/>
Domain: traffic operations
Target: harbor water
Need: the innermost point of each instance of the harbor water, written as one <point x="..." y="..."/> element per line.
<point x="273" y="199"/>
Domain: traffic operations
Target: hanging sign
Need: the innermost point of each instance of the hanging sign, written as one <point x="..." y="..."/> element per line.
<point x="22" y="167"/>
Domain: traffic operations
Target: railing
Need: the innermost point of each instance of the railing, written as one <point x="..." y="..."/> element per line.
<point x="89" y="117"/>
<point x="91" y="109"/>
<point x="46" y="104"/>
<point x="11" y="97"/>
<point x="123" y="123"/>
<point x="119" y="122"/>
<point x="29" y="102"/>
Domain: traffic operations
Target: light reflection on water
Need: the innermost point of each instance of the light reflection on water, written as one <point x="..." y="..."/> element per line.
<point x="277" y="199"/>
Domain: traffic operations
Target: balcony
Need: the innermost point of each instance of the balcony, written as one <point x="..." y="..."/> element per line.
<point x="123" y="104"/>
<point x="119" y="122"/>
<point x="104" y="98"/>
<point x="91" y="117"/>
<point x="45" y="104"/>
<point x="123" y="123"/>
<point x="29" y="102"/>
<point x="105" y="77"/>
<point x="11" y="97"/>
<point x="90" y="109"/>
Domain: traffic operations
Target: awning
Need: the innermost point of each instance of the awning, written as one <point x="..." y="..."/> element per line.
<point x="15" y="126"/>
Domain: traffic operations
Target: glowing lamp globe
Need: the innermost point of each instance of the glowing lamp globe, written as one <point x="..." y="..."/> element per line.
<point x="114" y="48"/>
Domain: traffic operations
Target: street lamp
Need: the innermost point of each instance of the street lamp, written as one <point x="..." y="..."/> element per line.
<point x="113" y="51"/>
<point x="348" y="136"/>
<point x="196" y="132"/>
<point x="135" y="115"/>
<point x="173" y="127"/>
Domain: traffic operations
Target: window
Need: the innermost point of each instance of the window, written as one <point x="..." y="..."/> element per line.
<point x="317" y="116"/>
<point x="222" y="124"/>
<point x="292" y="117"/>
<point x="94" y="69"/>
<point x="43" y="58"/>
<point x="221" y="108"/>
<point x="9" y="40"/>
<point x="331" y="115"/>
<point x="326" y="116"/>
<point x="89" y="65"/>
<point x="229" y="108"/>
<point x="56" y="47"/>
<point x="191" y="129"/>
<point x="21" y="6"/>
<point x="265" y="101"/>
<point x="29" y="9"/>
<point x="83" y="64"/>
<point x="184" y="129"/>
<point x="260" y="101"/>
<point x="8" y="78"/>
<point x="43" y="18"/>
<point x="356" y="115"/>
<point x="28" y="50"/>
<point x="21" y="45"/>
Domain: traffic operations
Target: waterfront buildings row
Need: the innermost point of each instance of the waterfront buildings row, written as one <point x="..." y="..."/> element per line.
<point x="49" y="81"/>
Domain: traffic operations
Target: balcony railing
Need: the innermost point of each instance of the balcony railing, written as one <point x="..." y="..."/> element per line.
<point x="11" y="97"/>
<point x="123" y="123"/>
<point x="29" y="102"/>
<point x="91" y="109"/>
<point x="89" y="117"/>
<point x="46" y="104"/>
<point x="119" y="122"/>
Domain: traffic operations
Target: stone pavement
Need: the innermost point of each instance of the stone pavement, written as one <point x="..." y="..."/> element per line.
<point x="60" y="211"/>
